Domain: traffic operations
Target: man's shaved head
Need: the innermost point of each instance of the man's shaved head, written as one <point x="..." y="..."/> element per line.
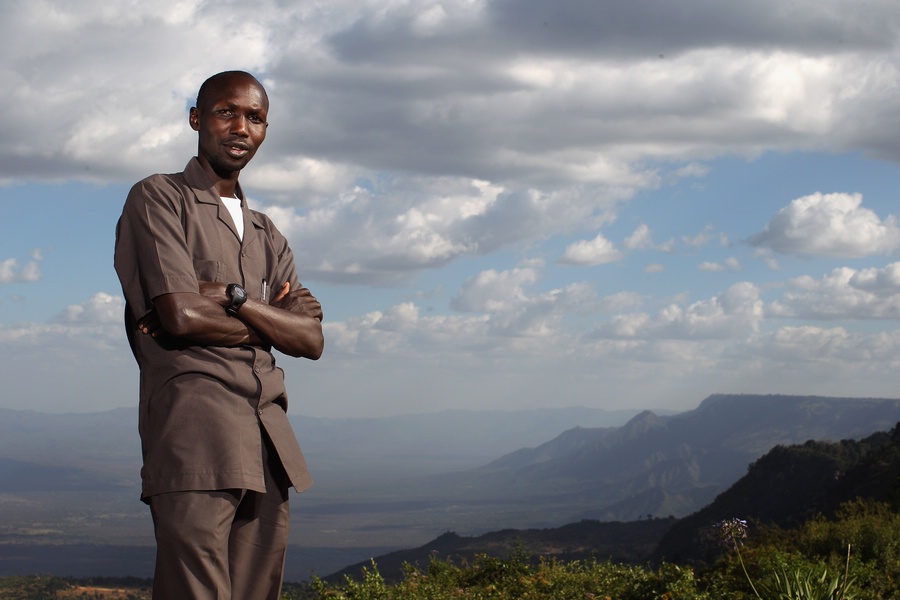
<point x="214" y="84"/>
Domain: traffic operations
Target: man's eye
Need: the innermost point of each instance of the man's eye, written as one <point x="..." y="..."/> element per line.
<point x="255" y="119"/>
<point x="225" y="113"/>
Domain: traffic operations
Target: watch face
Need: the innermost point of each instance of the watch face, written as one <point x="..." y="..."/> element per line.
<point x="238" y="297"/>
<point x="238" y="294"/>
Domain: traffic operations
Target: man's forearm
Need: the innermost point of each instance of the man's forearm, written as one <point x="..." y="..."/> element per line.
<point x="294" y="333"/>
<point x="200" y="320"/>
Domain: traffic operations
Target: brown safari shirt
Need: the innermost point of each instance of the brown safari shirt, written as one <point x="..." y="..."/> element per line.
<point x="202" y="408"/>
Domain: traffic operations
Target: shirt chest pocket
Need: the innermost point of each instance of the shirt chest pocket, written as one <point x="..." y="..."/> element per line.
<point x="210" y="270"/>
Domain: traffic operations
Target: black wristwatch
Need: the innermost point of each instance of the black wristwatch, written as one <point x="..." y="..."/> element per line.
<point x="238" y="296"/>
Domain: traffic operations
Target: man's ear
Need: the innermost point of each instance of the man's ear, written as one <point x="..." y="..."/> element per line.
<point x="194" y="118"/>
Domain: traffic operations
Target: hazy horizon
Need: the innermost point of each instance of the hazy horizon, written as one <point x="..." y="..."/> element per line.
<point x="70" y="484"/>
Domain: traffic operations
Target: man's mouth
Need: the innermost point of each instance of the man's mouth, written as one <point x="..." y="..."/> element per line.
<point x="237" y="150"/>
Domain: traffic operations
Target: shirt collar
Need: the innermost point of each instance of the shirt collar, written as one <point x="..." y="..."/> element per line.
<point x="198" y="179"/>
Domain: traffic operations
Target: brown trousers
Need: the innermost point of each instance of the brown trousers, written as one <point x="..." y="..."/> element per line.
<point x="222" y="544"/>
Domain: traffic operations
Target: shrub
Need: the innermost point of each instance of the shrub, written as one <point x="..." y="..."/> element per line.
<point x="516" y="578"/>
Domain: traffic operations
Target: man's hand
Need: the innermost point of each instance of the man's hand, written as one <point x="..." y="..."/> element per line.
<point x="295" y="327"/>
<point x="299" y="301"/>
<point x="150" y="325"/>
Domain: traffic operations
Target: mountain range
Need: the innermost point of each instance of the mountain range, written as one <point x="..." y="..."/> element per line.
<point x="395" y="483"/>
<point x="655" y="466"/>
<point x="786" y="487"/>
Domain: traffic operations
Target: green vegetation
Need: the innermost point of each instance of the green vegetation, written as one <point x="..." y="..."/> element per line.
<point x="807" y="563"/>
<point x="515" y="577"/>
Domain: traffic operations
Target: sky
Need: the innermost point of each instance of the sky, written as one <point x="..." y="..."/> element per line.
<point x="501" y="204"/>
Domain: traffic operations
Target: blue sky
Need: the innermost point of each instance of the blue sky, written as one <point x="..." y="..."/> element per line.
<point x="501" y="204"/>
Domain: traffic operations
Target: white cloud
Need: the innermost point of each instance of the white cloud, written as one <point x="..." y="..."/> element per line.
<point x="300" y="180"/>
<point x="98" y="112"/>
<point x="101" y="309"/>
<point x="730" y="263"/>
<point x="710" y="266"/>
<point x="640" y="239"/>
<point x="882" y="282"/>
<point x="704" y="237"/>
<point x="704" y="346"/>
<point x="621" y="301"/>
<point x="93" y="325"/>
<point x="12" y="272"/>
<point x="735" y="313"/>
<point x="384" y="231"/>
<point x="593" y="252"/>
<point x="691" y="170"/>
<point x="495" y="291"/>
<point x="836" y="357"/>
<point x="808" y="343"/>
<point x="77" y="362"/>
<point x="845" y="293"/>
<point x="834" y="225"/>
<point x="385" y="115"/>
<point x="469" y="88"/>
<point x="499" y="311"/>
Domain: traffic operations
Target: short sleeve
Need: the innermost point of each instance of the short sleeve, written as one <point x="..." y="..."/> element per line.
<point x="151" y="256"/>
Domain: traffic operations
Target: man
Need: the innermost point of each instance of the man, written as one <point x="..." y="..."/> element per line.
<point x="210" y="288"/>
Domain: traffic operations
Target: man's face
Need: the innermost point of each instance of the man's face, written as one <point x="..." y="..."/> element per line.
<point x="231" y="124"/>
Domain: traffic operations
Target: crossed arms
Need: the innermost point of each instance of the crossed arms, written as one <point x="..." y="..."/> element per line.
<point x="291" y="322"/>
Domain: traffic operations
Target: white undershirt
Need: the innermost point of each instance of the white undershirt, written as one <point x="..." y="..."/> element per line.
<point x="234" y="207"/>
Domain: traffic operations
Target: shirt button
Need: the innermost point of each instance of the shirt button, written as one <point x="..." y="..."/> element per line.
<point x="257" y="369"/>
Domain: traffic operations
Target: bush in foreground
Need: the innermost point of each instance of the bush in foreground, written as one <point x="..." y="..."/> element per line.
<point x="490" y="578"/>
<point x="808" y="563"/>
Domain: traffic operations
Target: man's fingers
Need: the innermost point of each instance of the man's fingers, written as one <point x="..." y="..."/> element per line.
<point x="282" y="292"/>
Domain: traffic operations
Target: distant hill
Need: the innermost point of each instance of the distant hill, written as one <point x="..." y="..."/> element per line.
<point x="428" y="443"/>
<point x="659" y="466"/>
<point x="790" y="485"/>
<point x="785" y="487"/>
<point x="618" y="542"/>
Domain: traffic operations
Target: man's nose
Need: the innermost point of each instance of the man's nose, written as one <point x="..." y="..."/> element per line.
<point x="240" y="126"/>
